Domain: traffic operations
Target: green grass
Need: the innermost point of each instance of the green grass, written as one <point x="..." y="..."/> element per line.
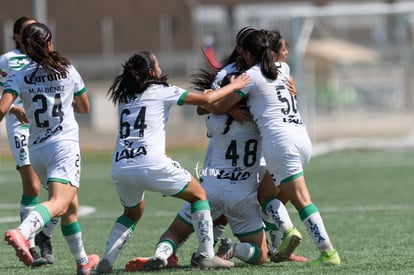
<point x="365" y="198"/>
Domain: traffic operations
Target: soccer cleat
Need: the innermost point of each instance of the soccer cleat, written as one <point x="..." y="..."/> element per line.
<point x="214" y="263"/>
<point x="37" y="259"/>
<point x="145" y="264"/>
<point x="296" y="258"/>
<point x="172" y="261"/>
<point x="291" y="239"/>
<point x="104" y="267"/>
<point x="16" y="239"/>
<point x="226" y="249"/>
<point x="330" y="257"/>
<point x="195" y="261"/>
<point x="85" y="269"/>
<point x="45" y="245"/>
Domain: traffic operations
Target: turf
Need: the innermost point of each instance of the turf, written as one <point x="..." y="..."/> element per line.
<point x="365" y="198"/>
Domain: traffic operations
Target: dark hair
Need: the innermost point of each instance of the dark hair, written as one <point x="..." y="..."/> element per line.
<point x="257" y="43"/>
<point x="35" y="38"/>
<point x="18" y="28"/>
<point x="135" y="78"/>
<point x="275" y="40"/>
<point x="235" y="57"/>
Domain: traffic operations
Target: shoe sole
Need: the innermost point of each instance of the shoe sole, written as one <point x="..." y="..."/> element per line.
<point x="22" y="253"/>
<point x="283" y="255"/>
<point x="141" y="264"/>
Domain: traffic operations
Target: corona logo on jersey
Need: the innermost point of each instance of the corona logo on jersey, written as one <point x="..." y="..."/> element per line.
<point x="43" y="78"/>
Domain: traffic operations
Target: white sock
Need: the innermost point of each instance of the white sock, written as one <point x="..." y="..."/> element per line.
<point x="120" y="233"/>
<point x="164" y="249"/>
<point x="203" y="227"/>
<point x="246" y="252"/>
<point x="51" y="226"/>
<point x="76" y="247"/>
<point x="218" y="231"/>
<point x="276" y="237"/>
<point x="316" y="229"/>
<point x="31" y="224"/>
<point x="277" y="210"/>
<point x="24" y="212"/>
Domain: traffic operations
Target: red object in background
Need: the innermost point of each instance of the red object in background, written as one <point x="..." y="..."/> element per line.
<point x="210" y="58"/>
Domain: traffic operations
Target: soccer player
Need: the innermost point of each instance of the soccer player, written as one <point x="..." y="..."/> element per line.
<point x="139" y="161"/>
<point x="51" y="90"/>
<point x="285" y="141"/>
<point x="17" y="129"/>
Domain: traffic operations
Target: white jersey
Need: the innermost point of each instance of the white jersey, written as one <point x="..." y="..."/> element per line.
<point x="286" y="144"/>
<point x="10" y="62"/>
<point x="142" y="127"/>
<point x="47" y="100"/>
<point x="234" y="157"/>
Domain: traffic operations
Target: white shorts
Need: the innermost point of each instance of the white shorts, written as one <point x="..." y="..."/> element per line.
<point x="58" y="161"/>
<point x="240" y="208"/>
<point x="18" y="136"/>
<point x="287" y="154"/>
<point x="131" y="181"/>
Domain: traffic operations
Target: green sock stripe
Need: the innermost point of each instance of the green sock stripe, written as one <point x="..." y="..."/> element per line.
<point x="70" y="229"/>
<point x="168" y="241"/>
<point x="43" y="212"/>
<point x="255" y="257"/>
<point x="29" y="201"/>
<point x="127" y="222"/>
<point x="307" y="211"/>
<point x="269" y="226"/>
<point x="199" y="206"/>
<point x="265" y="203"/>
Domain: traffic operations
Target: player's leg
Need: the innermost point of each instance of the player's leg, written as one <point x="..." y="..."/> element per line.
<point x="298" y="194"/>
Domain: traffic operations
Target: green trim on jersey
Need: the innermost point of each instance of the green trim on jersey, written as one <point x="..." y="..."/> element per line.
<point x="70" y="229"/>
<point x="181" y="191"/>
<point x="184" y="221"/>
<point x="308" y="210"/>
<point x="249" y="233"/>
<point x="181" y="99"/>
<point x="11" y="91"/>
<point x="58" y="180"/>
<point x="80" y="92"/>
<point x="240" y="93"/>
<point x="295" y="176"/>
<point x="1" y="84"/>
<point x="201" y="205"/>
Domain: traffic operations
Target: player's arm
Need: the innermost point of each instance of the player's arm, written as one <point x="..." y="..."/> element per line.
<point x="19" y="113"/>
<point x="81" y="103"/>
<point x="5" y="102"/>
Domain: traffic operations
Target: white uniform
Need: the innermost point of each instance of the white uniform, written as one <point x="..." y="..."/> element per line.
<point x="230" y="180"/>
<point x="286" y="144"/>
<point x="139" y="160"/>
<point x="54" y="134"/>
<point x="17" y="133"/>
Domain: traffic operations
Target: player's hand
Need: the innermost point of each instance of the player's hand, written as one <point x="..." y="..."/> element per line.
<point x="240" y="82"/>
<point x="291" y="86"/>
<point x="20" y="114"/>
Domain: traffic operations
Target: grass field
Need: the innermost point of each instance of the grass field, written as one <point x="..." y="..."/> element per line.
<point x="365" y="197"/>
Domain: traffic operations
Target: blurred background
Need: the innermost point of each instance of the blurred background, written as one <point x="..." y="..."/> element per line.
<point x="352" y="61"/>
